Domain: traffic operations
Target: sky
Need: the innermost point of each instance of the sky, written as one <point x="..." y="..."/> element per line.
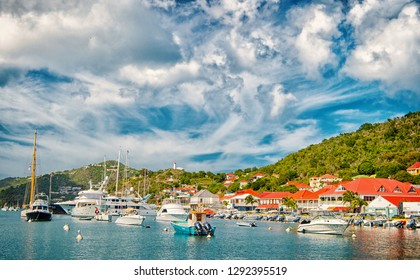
<point x="211" y="85"/>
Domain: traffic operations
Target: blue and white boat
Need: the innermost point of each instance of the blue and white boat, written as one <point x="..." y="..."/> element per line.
<point x="196" y="224"/>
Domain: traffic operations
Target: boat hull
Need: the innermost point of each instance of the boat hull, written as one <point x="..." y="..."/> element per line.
<point x="247" y="224"/>
<point x="187" y="229"/>
<point x="38" y="216"/>
<point x="130" y="220"/>
<point x="337" y="229"/>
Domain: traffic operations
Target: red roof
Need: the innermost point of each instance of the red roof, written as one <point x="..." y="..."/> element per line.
<point x="268" y="195"/>
<point x="375" y="186"/>
<point x="397" y="199"/>
<point x="241" y="192"/>
<point x="414" y="166"/>
<point x="339" y="208"/>
<point x="304" y="194"/>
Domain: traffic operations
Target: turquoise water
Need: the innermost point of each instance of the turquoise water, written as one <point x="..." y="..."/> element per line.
<point x="20" y="240"/>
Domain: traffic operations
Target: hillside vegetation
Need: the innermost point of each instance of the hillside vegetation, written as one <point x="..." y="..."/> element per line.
<point x="382" y="150"/>
<point x="385" y="149"/>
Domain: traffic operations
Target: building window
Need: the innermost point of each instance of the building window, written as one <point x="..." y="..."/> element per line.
<point x="397" y="190"/>
<point x="382" y="189"/>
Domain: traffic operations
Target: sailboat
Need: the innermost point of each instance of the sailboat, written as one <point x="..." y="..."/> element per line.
<point x="38" y="203"/>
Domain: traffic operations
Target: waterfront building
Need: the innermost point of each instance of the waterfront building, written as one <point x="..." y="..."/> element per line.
<point x="306" y="200"/>
<point x="238" y="200"/>
<point x="390" y="206"/>
<point x="271" y="200"/>
<point x="205" y="199"/>
<point x="367" y="188"/>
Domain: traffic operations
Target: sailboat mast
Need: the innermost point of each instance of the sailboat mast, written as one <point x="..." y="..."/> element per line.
<point x="118" y="172"/>
<point x="32" y="196"/>
<point x="104" y="168"/>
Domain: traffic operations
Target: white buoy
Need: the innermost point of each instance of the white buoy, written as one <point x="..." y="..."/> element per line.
<point x="165" y="229"/>
<point x="66" y="227"/>
<point x="269" y="228"/>
<point x="353" y="235"/>
<point x="30" y="221"/>
<point x="288" y="229"/>
<point x="79" y="236"/>
<point x="208" y="235"/>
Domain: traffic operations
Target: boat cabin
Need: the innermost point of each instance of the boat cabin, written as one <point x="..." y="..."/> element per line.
<point x="197" y="216"/>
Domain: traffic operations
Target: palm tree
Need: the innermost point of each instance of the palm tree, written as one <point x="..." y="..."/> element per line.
<point x="358" y="203"/>
<point x="289" y="203"/>
<point x="250" y="200"/>
<point x="354" y="200"/>
<point x="225" y="203"/>
<point x="348" y="197"/>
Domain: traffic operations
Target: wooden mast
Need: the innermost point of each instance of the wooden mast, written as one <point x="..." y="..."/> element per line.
<point x="32" y="196"/>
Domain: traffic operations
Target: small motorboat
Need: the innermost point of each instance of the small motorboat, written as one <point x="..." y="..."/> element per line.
<point x="324" y="224"/>
<point x="131" y="218"/>
<point x="196" y="224"/>
<point x="247" y="224"/>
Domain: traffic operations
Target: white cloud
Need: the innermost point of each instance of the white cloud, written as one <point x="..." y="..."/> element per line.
<point x="316" y="26"/>
<point x="280" y="100"/>
<point x="90" y="37"/>
<point x="387" y="49"/>
<point x="163" y="76"/>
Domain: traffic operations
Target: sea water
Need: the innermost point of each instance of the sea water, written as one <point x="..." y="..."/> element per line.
<point x="21" y="240"/>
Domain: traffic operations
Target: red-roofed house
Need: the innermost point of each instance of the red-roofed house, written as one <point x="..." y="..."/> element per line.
<point x="257" y="176"/>
<point x="394" y="205"/>
<point x="414" y="169"/>
<point x="306" y="200"/>
<point x="237" y="200"/>
<point x="300" y="186"/>
<point x="326" y="179"/>
<point x="366" y="188"/>
<point x="272" y="200"/>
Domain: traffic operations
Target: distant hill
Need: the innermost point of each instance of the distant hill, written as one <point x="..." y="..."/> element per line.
<point x="382" y="149"/>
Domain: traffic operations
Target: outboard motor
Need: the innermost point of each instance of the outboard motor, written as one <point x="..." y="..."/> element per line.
<point x="199" y="227"/>
<point x="411" y="224"/>
<point x="208" y="227"/>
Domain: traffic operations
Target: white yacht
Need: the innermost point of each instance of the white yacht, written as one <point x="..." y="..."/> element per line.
<point x="89" y="202"/>
<point x="171" y="210"/>
<point x="326" y="224"/>
<point x="118" y="205"/>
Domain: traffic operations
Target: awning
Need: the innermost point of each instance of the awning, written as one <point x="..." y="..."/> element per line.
<point x="268" y="206"/>
<point x="339" y="208"/>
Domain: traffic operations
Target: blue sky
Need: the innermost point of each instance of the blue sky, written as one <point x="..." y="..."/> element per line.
<point x="211" y="85"/>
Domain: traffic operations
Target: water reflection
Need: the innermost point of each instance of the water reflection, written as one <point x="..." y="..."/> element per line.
<point x="386" y="243"/>
<point x="108" y="241"/>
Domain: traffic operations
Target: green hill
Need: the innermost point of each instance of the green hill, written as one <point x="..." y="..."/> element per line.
<point x="385" y="149"/>
<point x="382" y="149"/>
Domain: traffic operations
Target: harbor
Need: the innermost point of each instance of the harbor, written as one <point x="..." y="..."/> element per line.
<point x="158" y="241"/>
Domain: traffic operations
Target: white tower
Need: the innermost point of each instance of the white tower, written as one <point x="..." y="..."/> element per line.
<point x="174" y="165"/>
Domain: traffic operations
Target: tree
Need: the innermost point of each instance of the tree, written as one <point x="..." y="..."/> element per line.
<point x="358" y="203"/>
<point x="348" y="197"/>
<point x="354" y="200"/>
<point x="250" y="200"/>
<point x="289" y="203"/>
<point x="366" y="168"/>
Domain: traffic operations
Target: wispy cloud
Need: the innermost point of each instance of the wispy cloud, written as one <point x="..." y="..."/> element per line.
<point x="212" y="85"/>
